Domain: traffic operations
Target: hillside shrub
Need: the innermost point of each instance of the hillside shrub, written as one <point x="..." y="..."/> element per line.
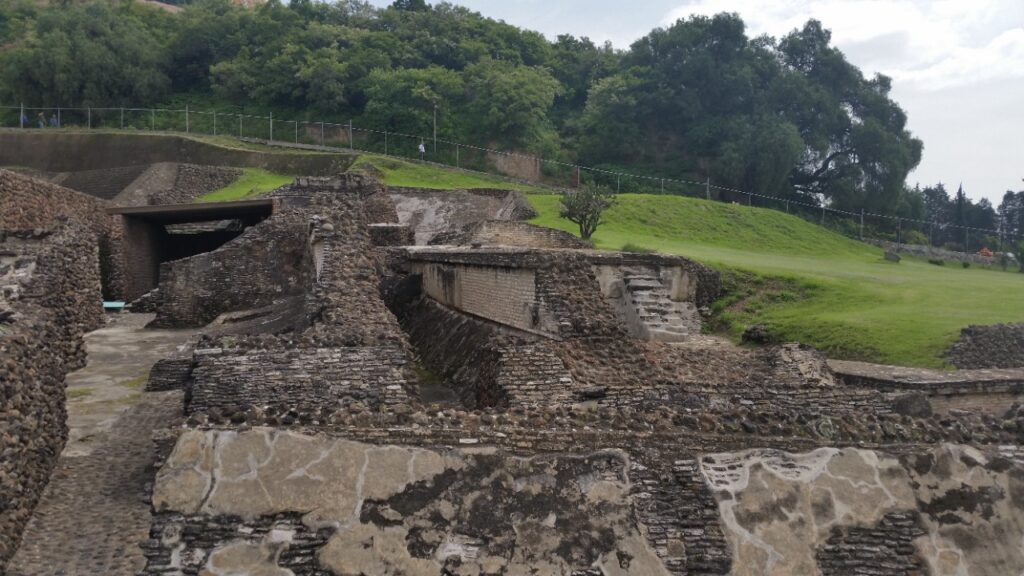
<point x="936" y="261"/>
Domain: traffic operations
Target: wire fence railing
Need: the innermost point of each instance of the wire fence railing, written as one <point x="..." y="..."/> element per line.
<point x="937" y="236"/>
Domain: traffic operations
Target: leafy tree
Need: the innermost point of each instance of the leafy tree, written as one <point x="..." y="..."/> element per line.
<point x="404" y="99"/>
<point x="585" y="206"/>
<point x="410" y="5"/>
<point x="510" y="100"/>
<point x="92" y="54"/>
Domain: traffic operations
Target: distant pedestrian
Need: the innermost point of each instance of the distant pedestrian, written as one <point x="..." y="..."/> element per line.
<point x="41" y="120"/>
<point x="54" y="123"/>
<point x="423" y="151"/>
<point x="24" y="120"/>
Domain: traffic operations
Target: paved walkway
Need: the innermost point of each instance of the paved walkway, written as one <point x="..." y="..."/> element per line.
<point x="94" y="512"/>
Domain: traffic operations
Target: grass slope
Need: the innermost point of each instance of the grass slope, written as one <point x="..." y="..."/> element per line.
<point x="810" y="284"/>
<point x="253" y="182"/>
<point x="403" y="173"/>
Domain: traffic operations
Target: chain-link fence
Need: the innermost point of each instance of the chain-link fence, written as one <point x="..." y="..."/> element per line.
<point x="944" y="239"/>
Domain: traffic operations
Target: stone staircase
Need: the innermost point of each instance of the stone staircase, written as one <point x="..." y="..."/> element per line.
<point x="655" y="316"/>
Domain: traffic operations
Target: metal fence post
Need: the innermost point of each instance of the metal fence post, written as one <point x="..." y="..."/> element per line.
<point x="214" y="122"/>
<point x="787" y="206"/>
<point x="21" y="116"/>
<point x="58" y="117"/>
<point x="385" y="142"/>
<point x="707" y="187"/>
<point x="662" y="185"/>
<point x="822" y="214"/>
<point x="618" y="183"/>
<point x="271" y="139"/>
<point x="456" y="155"/>
<point x="351" y="144"/>
<point x="239" y="125"/>
<point x="186" y="119"/>
<point x="899" y="233"/>
<point x="122" y="118"/>
<point x="152" y="119"/>
<point x="88" y="115"/>
<point x="862" y="224"/>
<point x="296" y="122"/>
<point x="321" y="133"/>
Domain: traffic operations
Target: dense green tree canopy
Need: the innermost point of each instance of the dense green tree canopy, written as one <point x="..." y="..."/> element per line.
<point x="789" y="117"/>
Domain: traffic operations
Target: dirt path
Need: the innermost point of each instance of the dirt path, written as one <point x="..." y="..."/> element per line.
<point x="94" y="513"/>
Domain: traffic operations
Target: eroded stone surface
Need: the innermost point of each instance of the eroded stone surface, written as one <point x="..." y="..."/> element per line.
<point x="402" y="510"/>
<point x="779" y="509"/>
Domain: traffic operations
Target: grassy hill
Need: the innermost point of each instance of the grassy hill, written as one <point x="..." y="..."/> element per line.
<point x="809" y="284"/>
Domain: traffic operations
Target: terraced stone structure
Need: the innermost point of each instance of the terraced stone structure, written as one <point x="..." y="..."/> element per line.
<point x="589" y="428"/>
<point x="576" y="443"/>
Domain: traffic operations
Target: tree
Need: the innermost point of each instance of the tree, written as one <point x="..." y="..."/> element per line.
<point x="585" y="207"/>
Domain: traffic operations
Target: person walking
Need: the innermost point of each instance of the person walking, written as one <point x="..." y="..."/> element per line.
<point x="24" y="120"/>
<point x="423" y="151"/>
<point x="41" y="120"/>
<point x="54" y="123"/>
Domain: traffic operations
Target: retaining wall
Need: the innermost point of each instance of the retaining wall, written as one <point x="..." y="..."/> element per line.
<point x="68" y="151"/>
<point x="50" y="299"/>
<point x="29" y="203"/>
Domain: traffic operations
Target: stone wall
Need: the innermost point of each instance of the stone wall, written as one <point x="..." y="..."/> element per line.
<point x="69" y="151"/>
<point x="230" y="381"/>
<point x="267" y="262"/>
<point x="29" y="203"/>
<point x="846" y="511"/>
<point x="995" y="346"/>
<point x="192" y="181"/>
<point x="50" y="297"/>
<point x="433" y="212"/>
<point x="344" y="346"/>
<point x="510" y="233"/>
<point x="406" y="510"/>
<point x="104" y="183"/>
<point x="486" y="364"/>
<point x="504" y="295"/>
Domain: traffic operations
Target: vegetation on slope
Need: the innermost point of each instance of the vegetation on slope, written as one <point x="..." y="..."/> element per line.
<point x="395" y="172"/>
<point x="252" y="183"/>
<point x="808" y="284"/>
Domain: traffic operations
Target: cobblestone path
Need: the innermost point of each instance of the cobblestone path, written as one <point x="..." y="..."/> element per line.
<point x="94" y="512"/>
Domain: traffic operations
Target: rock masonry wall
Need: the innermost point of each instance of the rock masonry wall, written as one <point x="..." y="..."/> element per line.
<point x="996" y="346"/>
<point x="344" y="348"/>
<point x="192" y="181"/>
<point x="49" y="297"/>
<point x="510" y="233"/>
<point x="267" y="262"/>
<point x="27" y="203"/>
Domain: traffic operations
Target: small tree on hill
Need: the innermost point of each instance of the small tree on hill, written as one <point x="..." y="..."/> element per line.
<point x="584" y="207"/>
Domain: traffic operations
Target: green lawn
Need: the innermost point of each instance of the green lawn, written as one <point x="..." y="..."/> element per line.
<point x="818" y="287"/>
<point x="253" y="182"/>
<point x="416" y="175"/>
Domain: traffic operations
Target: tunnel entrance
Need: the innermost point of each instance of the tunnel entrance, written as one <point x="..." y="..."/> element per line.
<point x="156" y="234"/>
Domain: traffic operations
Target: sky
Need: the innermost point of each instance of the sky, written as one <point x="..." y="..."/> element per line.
<point x="957" y="65"/>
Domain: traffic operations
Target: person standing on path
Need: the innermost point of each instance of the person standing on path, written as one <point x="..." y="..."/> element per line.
<point x="41" y="120"/>
<point x="423" y="151"/>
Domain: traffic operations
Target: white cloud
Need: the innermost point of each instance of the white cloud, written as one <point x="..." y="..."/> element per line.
<point x="931" y="45"/>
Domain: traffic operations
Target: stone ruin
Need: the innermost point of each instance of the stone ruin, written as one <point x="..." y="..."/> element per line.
<point x="590" y="428"/>
<point x="49" y="298"/>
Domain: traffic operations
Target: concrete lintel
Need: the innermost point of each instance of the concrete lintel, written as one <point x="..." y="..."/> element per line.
<point x="199" y="211"/>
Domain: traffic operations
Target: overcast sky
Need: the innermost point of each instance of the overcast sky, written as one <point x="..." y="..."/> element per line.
<point x="957" y="65"/>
